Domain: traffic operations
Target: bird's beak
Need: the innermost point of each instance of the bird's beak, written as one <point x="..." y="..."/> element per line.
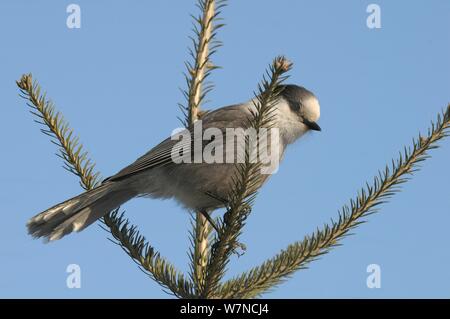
<point x="312" y="125"/>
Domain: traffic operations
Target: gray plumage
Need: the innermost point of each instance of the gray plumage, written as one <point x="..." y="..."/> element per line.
<point x="192" y="184"/>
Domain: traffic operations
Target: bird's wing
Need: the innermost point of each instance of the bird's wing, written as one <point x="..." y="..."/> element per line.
<point x="160" y="155"/>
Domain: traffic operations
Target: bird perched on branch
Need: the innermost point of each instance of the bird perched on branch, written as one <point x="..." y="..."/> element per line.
<point x="165" y="172"/>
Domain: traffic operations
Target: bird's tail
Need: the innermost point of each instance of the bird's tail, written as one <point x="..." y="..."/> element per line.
<point x="79" y="212"/>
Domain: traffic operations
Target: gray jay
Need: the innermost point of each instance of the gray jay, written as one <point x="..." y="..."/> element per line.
<point x="199" y="186"/>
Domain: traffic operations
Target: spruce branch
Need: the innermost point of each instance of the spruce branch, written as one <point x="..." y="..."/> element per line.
<point x="77" y="162"/>
<point x="209" y="263"/>
<point x="149" y="261"/>
<point x="204" y="44"/>
<point x="198" y="255"/>
<point x="297" y="255"/>
<point x="70" y="150"/>
<point x="245" y="181"/>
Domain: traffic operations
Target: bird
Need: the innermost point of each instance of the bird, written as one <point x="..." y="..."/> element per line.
<point x="198" y="186"/>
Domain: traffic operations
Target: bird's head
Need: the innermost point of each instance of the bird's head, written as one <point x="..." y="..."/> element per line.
<point x="303" y="104"/>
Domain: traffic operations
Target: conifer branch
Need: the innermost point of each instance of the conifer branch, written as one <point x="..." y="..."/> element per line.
<point x="209" y="263"/>
<point x="146" y="257"/>
<point x="245" y="181"/>
<point x="204" y="45"/>
<point x="199" y="238"/>
<point x="77" y="162"/>
<point x="70" y="150"/>
<point x="297" y="255"/>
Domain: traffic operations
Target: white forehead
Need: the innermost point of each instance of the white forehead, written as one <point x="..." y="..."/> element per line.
<point x="311" y="108"/>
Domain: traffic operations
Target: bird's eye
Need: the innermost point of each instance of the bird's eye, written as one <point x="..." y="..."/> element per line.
<point x="297" y="106"/>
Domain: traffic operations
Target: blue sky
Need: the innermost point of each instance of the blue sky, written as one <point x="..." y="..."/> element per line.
<point x="117" y="80"/>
